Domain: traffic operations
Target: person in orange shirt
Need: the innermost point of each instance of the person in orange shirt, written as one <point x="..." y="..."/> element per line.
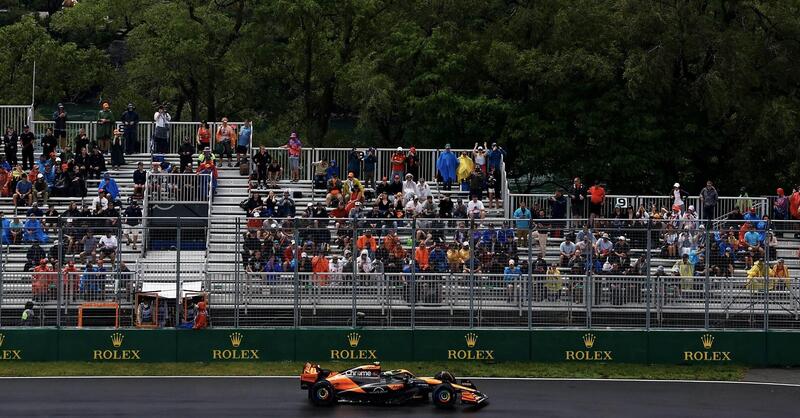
<point x="422" y="256"/>
<point x="201" y="320"/>
<point x="320" y="266"/>
<point x="392" y="244"/>
<point x="43" y="281"/>
<point x="367" y="242"/>
<point x="597" y="197"/>
<point x="71" y="280"/>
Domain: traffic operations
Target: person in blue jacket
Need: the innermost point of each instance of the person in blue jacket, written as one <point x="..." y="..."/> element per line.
<point x="495" y="156"/>
<point x="109" y="185"/>
<point x="5" y="229"/>
<point x="33" y="231"/>
<point x="446" y="165"/>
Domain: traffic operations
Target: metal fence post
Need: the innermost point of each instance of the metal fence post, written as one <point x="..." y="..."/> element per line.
<point x="472" y="274"/>
<point x="355" y="258"/>
<point x="766" y="284"/>
<point x="589" y="285"/>
<point x="530" y="274"/>
<point x="60" y="279"/>
<point x="237" y="262"/>
<point x="649" y="280"/>
<point x="178" y="275"/>
<point x="413" y="270"/>
<point x="118" y="265"/>
<point x="707" y="293"/>
<point x="296" y="274"/>
<point x="2" y="271"/>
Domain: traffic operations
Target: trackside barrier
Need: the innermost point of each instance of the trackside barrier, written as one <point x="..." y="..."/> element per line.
<point x="366" y="345"/>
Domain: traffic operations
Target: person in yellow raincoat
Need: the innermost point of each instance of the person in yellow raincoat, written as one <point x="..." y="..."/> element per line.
<point x="553" y="281"/>
<point x="755" y="276"/>
<point x="685" y="269"/>
<point x="465" y="167"/>
<point x="781" y="274"/>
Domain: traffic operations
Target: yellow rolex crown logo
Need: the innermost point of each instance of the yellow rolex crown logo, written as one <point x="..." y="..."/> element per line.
<point x="588" y="340"/>
<point x="2" y="338"/>
<point x="708" y="341"/>
<point x="116" y="339"/>
<point x="236" y="339"/>
<point x="353" y="338"/>
<point x="472" y="339"/>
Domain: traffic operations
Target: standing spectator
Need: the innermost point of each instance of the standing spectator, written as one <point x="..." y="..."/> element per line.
<point x="780" y="208"/>
<point x="26" y="140"/>
<point x="203" y="137"/>
<point x="224" y="138"/>
<point x="597" y="197"/>
<point x="577" y="195"/>
<point x="243" y="142"/>
<point x="412" y="163"/>
<point x="446" y="166"/>
<point x="709" y="198"/>
<point x="262" y="160"/>
<point x="465" y="168"/>
<point x="130" y="129"/>
<point x="185" y="152"/>
<point x="370" y="161"/>
<point x="476" y="183"/>
<point x="744" y="202"/>
<point x="105" y="125"/>
<point x="523" y="223"/>
<point x="60" y="128"/>
<point x="162" y="120"/>
<point x="354" y="159"/>
<point x="495" y="156"/>
<point x="494" y="189"/>
<point x="398" y="163"/>
<point x="274" y="173"/>
<point x="294" y="147"/>
<point x="117" y="150"/>
<point x="479" y="156"/>
<point x="43" y="282"/>
<point x="49" y="143"/>
<point x="679" y="196"/>
<point x="10" y="145"/>
<point x="82" y="141"/>
<point x="133" y="218"/>
<point x="558" y="205"/>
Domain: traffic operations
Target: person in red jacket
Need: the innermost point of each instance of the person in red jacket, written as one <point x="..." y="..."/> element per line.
<point x="597" y="196"/>
<point x="71" y="280"/>
<point x="201" y="320"/>
<point x="43" y="281"/>
<point x="398" y="163"/>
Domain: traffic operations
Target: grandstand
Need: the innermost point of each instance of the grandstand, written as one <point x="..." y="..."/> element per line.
<point x="207" y="250"/>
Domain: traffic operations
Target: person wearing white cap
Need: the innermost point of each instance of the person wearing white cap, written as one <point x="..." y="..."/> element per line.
<point x="41" y="190"/>
<point x="603" y="246"/>
<point x="679" y="196"/>
<point x="398" y="163"/>
<point x="511" y="276"/>
<point x="479" y="156"/>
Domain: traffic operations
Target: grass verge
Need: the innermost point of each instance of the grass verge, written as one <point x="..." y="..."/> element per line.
<point x="510" y="369"/>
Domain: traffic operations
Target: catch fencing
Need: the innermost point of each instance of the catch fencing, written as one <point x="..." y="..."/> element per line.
<point x="423" y="273"/>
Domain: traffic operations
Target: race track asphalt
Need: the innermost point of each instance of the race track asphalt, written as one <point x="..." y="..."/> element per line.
<point x="277" y="397"/>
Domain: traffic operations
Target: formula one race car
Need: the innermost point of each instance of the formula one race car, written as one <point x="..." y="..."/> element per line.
<point x="367" y="384"/>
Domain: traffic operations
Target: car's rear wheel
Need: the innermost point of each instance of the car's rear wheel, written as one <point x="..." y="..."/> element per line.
<point x="322" y="394"/>
<point x="444" y="396"/>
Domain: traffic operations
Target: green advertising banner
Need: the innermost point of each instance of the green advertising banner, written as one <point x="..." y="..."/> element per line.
<point x="353" y="344"/>
<point x="28" y="344"/>
<point x="783" y="348"/>
<point x="117" y="345"/>
<point x="589" y="346"/>
<point x="235" y="345"/>
<point x="707" y="347"/>
<point x="472" y="345"/>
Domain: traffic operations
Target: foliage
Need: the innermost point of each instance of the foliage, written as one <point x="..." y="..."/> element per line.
<point x="638" y="94"/>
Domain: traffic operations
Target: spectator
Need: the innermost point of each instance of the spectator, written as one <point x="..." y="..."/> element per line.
<point x="43" y="282"/>
<point x="41" y="190"/>
<point x="91" y="283"/>
<point x="422" y="257"/>
<point x="335" y="187"/>
<point x="117" y="150"/>
<point x="10" y="145"/>
<point x="24" y="191"/>
<point x="679" y="196"/>
<point x="577" y="195"/>
<point x="262" y="160"/>
<point x="49" y="142"/>
<point x="294" y="147"/>
<point x="105" y="125"/>
<point x="109" y="186"/>
<point x="130" y="129"/>
<point x="709" y="198"/>
<point x="354" y="158"/>
<point x="523" y="223"/>
<point x="566" y="251"/>
<point x="28" y="315"/>
<point x="558" y="205"/>
<point x="410" y="188"/>
<point x="364" y="263"/>
<point x="133" y="218"/>
<point x="162" y="120"/>
<point x="100" y="199"/>
<point x="224" y="137"/>
<point x="511" y="276"/>
<point x="603" y="246"/>
<point x="139" y="180"/>
<point x="202" y="138"/>
<point x="479" y="156"/>
<point x="446" y="166"/>
<point x="350" y="186"/>
<point x="780" y="207"/>
<point x="398" y="163"/>
<point x="26" y="139"/>
<point x="475" y="209"/>
<point x="685" y="269"/>
<point x="597" y="197"/>
<point x="744" y="202"/>
<point x="274" y="171"/>
<point x="412" y="163"/>
<point x="367" y="242"/>
<point x="185" y="152"/>
<point x="395" y="187"/>
<point x="34" y="231"/>
<point x="82" y="142"/>
<point x="286" y="207"/>
<point x="243" y="142"/>
<point x="423" y="190"/>
<point x="60" y="126"/>
<point x="370" y="162"/>
<point x="108" y="247"/>
<point x="96" y="164"/>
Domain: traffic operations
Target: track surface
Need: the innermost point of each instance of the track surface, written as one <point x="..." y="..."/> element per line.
<point x="246" y="397"/>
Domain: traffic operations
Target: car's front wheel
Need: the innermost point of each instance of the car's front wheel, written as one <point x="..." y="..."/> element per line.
<point x="322" y="393"/>
<point x="444" y="396"/>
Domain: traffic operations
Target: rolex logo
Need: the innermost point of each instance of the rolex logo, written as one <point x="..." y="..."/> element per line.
<point x="2" y="338"/>
<point x="471" y="339"/>
<point x="8" y="354"/>
<point x="588" y="340"/>
<point x="708" y="341"/>
<point x="116" y="339"/>
<point x="236" y="339"/>
<point x="353" y="338"/>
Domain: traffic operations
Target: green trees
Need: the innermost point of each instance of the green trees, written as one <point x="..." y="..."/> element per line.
<point x="637" y="93"/>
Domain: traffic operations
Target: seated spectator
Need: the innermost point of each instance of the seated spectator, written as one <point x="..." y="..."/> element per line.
<point x="335" y="187"/>
<point x="100" y="199"/>
<point x="23" y="192"/>
<point x="274" y="171"/>
<point x="90" y="282"/>
<point x="89" y="244"/>
<point x="566" y="250"/>
<point x="410" y="188"/>
<point x="15" y="231"/>
<point x="475" y="209"/>
<point x="34" y="231"/>
<point x="109" y="186"/>
<point x="604" y="246"/>
<point x="320" y="173"/>
<point x="108" y="247"/>
<point x="422" y="256"/>
<point x="41" y="190"/>
<point x="438" y="259"/>
<point x="206" y="156"/>
<point x="396" y="186"/>
<point x="367" y="242"/>
<point x="511" y="276"/>
<point x="685" y="269"/>
<point x="286" y="207"/>
<point x="34" y="254"/>
<point x="96" y="164"/>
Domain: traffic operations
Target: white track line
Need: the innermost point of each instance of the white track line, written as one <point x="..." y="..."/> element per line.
<point x="533" y="379"/>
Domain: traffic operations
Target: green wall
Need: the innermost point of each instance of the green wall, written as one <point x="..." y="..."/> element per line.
<point x="665" y="347"/>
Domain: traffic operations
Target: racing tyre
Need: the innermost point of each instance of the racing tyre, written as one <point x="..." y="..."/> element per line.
<point x="444" y="396"/>
<point x="322" y="394"/>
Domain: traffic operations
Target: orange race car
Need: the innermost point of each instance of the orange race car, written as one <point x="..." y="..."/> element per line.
<point x="368" y="384"/>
